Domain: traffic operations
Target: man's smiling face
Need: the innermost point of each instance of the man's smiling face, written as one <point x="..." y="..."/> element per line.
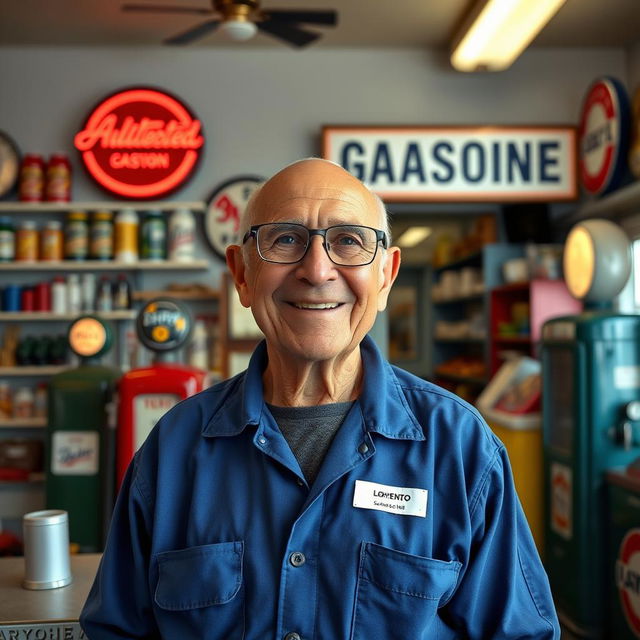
<point x="314" y="309"/>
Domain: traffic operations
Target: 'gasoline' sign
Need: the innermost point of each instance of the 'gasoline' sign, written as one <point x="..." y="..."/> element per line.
<point x="499" y="164"/>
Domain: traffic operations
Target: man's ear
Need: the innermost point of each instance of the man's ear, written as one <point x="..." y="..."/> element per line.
<point x="390" y="270"/>
<point x="236" y="264"/>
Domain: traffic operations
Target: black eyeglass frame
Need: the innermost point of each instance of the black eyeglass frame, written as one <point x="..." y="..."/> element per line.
<point x="381" y="236"/>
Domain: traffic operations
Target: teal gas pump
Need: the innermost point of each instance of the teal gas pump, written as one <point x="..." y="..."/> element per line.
<point x="591" y="385"/>
<point x="81" y="437"/>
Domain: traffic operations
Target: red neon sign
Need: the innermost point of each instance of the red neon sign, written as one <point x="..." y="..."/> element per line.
<point x="140" y="143"/>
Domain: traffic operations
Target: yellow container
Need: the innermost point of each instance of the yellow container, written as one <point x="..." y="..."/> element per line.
<point x="524" y="447"/>
<point x="522" y="437"/>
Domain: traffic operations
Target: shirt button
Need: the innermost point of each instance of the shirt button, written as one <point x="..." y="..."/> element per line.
<point x="300" y="482"/>
<point x="363" y="448"/>
<point x="292" y="636"/>
<point x="262" y="440"/>
<point x="297" y="559"/>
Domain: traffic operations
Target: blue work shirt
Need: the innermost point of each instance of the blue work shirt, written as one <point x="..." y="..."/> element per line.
<point x="217" y="535"/>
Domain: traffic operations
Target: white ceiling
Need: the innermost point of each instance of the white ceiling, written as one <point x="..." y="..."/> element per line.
<point x="362" y="23"/>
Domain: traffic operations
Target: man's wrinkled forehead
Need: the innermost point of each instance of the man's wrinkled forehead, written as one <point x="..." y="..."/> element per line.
<point x="299" y="197"/>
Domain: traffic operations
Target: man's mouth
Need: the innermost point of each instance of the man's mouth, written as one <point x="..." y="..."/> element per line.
<point x="316" y="305"/>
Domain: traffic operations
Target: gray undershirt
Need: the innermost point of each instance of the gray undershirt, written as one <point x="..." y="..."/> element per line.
<point x="310" y="431"/>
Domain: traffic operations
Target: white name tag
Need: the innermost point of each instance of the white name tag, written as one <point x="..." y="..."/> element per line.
<point x="402" y="501"/>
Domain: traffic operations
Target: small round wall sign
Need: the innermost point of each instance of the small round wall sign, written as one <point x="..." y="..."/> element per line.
<point x="224" y="210"/>
<point x="141" y="143"/>
<point x="628" y="578"/>
<point x="604" y="136"/>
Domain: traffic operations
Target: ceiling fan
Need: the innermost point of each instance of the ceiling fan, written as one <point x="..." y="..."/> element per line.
<point x="241" y="19"/>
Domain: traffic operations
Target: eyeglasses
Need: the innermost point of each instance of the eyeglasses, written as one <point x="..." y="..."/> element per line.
<point x="347" y="245"/>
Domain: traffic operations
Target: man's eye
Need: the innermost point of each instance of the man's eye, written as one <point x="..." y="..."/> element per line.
<point x="287" y="239"/>
<point x="348" y="241"/>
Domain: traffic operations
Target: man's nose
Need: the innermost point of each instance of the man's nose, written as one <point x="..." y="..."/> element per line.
<point x="316" y="265"/>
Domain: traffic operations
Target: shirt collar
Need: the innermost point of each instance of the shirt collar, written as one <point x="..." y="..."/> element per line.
<point x="239" y="401"/>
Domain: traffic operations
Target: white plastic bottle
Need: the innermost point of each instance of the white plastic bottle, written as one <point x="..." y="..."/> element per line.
<point x="182" y="232"/>
<point x="74" y="294"/>
<point x="198" y="350"/>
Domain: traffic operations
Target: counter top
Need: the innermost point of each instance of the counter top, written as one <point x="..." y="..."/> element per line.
<point x="54" y="610"/>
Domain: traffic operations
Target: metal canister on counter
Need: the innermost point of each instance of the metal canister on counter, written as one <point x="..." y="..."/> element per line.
<point x="27" y="242"/>
<point x="182" y="229"/>
<point x="7" y="239"/>
<point x="52" y="241"/>
<point x="126" y="236"/>
<point x="101" y="246"/>
<point x="31" y="186"/>
<point x="154" y="236"/>
<point x="58" y="179"/>
<point x="76" y="236"/>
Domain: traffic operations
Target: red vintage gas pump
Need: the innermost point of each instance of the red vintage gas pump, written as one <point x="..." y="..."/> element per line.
<point x="146" y="394"/>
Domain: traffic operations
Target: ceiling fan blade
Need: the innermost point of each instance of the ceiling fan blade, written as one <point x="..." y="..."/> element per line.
<point x="290" y="34"/>
<point x="194" y="33"/>
<point x="328" y="18"/>
<point x="159" y="8"/>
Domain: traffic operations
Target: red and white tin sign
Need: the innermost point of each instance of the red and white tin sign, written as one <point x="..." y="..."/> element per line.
<point x="604" y="136"/>
<point x="141" y="143"/>
<point x="628" y="578"/>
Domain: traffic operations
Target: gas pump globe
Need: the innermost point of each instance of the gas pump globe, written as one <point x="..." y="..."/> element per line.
<point x="596" y="261"/>
<point x="591" y="420"/>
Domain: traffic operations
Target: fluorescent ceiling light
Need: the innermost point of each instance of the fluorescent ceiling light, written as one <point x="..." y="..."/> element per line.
<point x="413" y="236"/>
<point x="498" y="31"/>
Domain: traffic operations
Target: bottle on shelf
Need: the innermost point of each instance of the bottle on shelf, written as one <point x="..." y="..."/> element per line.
<point x="40" y="400"/>
<point x="7" y="239"/>
<point x="6" y="402"/>
<point x="199" y="348"/>
<point x="59" y="295"/>
<point x="74" y="294"/>
<point x="102" y="236"/>
<point x="88" y="286"/>
<point x="104" y="300"/>
<point x="27" y="299"/>
<point x="76" y="236"/>
<point x="27" y="241"/>
<point x="43" y="296"/>
<point x="23" y="403"/>
<point x="122" y="293"/>
<point x="52" y="241"/>
<point x="154" y="236"/>
<point x="31" y="184"/>
<point x="58" y="179"/>
<point x="126" y="236"/>
<point x="182" y="236"/>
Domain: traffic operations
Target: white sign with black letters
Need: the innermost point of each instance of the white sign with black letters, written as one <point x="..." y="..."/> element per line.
<point x="461" y="164"/>
<point x="403" y="501"/>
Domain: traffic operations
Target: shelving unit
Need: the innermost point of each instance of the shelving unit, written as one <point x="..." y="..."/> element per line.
<point x="17" y="498"/>
<point x="47" y="316"/>
<point x="104" y="265"/>
<point x="23" y="423"/>
<point x="465" y="359"/>
<point x="110" y="205"/>
<point x="542" y="299"/>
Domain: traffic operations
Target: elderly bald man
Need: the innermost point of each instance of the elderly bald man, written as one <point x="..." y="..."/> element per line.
<point x="322" y="494"/>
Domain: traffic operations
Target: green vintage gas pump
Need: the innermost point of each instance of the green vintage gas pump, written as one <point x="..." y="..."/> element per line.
<point x="81" y="436"/>
<point x="591" y="385"/>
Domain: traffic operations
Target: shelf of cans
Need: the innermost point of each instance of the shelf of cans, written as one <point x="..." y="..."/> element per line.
<point x="126" y="237"/>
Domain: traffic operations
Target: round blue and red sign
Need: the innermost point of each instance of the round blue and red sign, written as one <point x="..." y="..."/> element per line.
<point x="628" y="578"/>
<point x="604" y="136"/>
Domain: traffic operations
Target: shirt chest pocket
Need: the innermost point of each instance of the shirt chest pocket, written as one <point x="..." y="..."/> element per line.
<point x="202" y="584"/>
<point x="398" y="594"/>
